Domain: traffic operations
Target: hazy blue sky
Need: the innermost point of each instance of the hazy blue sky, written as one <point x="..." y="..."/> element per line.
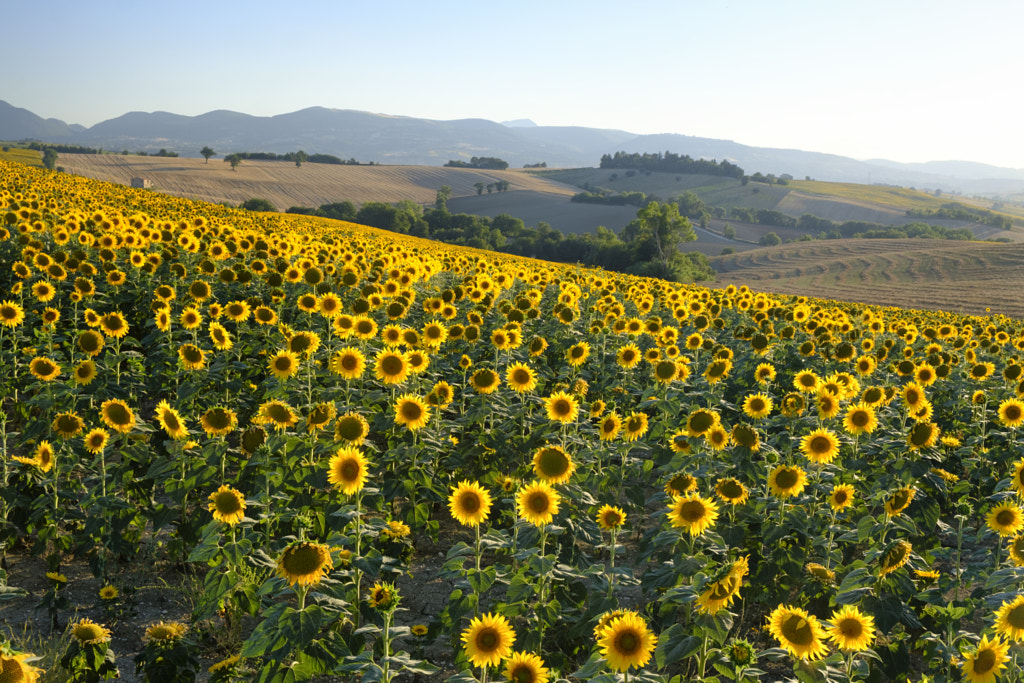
<point x="905" y="80"/>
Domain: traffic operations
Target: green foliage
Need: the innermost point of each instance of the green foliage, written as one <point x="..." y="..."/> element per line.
<point x="487" y="163"/>
<point x="257" y="205"/>
<point x="670" y="163"/>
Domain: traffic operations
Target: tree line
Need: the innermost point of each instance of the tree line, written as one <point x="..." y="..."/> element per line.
<point x="485" y="163"/>
<point x="671" y="163"/>
<point x="648" y="246"/>
<point x="959" y="212"/>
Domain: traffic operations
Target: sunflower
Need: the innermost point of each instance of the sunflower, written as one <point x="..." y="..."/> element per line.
<point x="1009" y="619"/>
<point x="820" y="446"/>
<point x="609" y="426"/>
<point x="411" y="411"/>
<point x="553" y="465"/>
<point x="264" y="315"/>
<point x="320" y="416"/>
<point x="1006" y="519"/>
<point x="895" y="556"/>
<point x="851" y="629"/>
<point x="163" y="632"/>
<point x="44" y="369"/>
<point x="538" y="503"/>
<point x="485" y="381"/>
<point x="90" y="342"/>
<point x="304" y="344"/>
<point x="395" y="530"/>
<point x="680" y="484"/>
<point x="219" y="421"/>
<point x="305" y="563"/>
<point x="525" y="667"/>
<point x="68" y="425"/>
<point x="116" y="414"/>
<point x="764" y="373"/>
<point x="693" y="513"/>
<point x="488" y="640"/>
<point x="634" y="426"/>
<point x="806" y="382"/>
<point x="610" y="517"/>
<point x="277" y="413"/>
<point x="349" y="363"/>
<point x="283" y="364"/>
<point x="14" y="669"/>
<point x="227" y="505"/>
<point x="171" y="421"/>
<point x="43" y="291"/>
<point x="787" y="481"/>
<point x="679" y="442"/>
<point x="731" y="491"/>
<point x="628" y="356"/>
<point x="84" y="373"/>
<point x="88" y="632"/>
<point x="96" y="440"/>
<point x="520" y="378"/>
<point x="470" y="503"/>
<point x="391" y="367"/>
<point x="798" y="632"/>
<point x="913" y="395"/>
<point x="1011" y="413"/>
<point x="757" y="406"/>
<point x="923" y="435"/>
<point x="860" y="419"/>
<point x="746" y="436"/>
<point x="841" y="497"/>
<point x="720" y="593"/>
<point x="577" y="354"/>
<point x="562" y="407"/>
<point x="114" y="325"/>
<point x="700" y="421"/>
<point x="383" y="596"/>
<point x="899" y="501"/>
<point x="828" y="404"/>
<point x="352" y="428"/>
<point x="11" y="314"/>
<point x="347" y="470"/>
<point x="986" y="663"/>
<point x="626" y="642"/>
<point x="220" y="337"/>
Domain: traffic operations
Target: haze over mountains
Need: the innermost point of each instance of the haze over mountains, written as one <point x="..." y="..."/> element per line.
<point x="407" y="140"/>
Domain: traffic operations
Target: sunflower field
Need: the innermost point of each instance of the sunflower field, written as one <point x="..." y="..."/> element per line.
<point x="628" y="479"/>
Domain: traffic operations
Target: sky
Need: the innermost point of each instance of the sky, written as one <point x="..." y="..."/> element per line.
<point x="905" y="80"/>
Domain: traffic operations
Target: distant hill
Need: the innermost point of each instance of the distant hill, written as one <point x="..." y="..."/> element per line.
<point x="406" y="140"/>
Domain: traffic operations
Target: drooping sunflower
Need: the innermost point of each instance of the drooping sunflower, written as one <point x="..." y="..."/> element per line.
<point x="44" y="369"/>
<point x="470" y="503"/>
<point x="841" y="497"/>
<point x="721" y="592"/>
<point x="411" y="411"/>
<point x="693" y="513"/>
<point x="610" y="517"/>
<point x="561" y="407"/>
<point x="164" y="632"/>
<point x="171" y="421"/>
<point x="391" y="366"/>
<point x="986" y="663"/>
<point x="227" y="505"/>
<point x="488" y="639"/>
<point x="277" y="413"/>
<point x="520" y="378"/>
<point x="88" y="632"/>
<point x="14" y="668"/>
<point x="899" y="501"/>
<point x="851" y="629"/>
<point x="347" y="470"/>
<point x="220" y="337"/>
<point x="820" y="446"/>
<point x="305" y="563"/>
<point x="283" y="364"/>
<point x="525" y="667"/>
<point x="219" y="421"/>
<point x="786" y="481"/>
<point x="626" y="642"/>
<point x="538" y="503"/>
<point x="798" y="632"/>
<point x="349" y="363"/>
<point x="1011" y="413"/>
<point x="553" y="465"/>
<point x="116" y="414"/>
<point x="68" y="425"/>
<point x="351" y="428"/>
<point x="1006" y="519"/>
<point x="485" y="381"/>
<point x="895" y="556"/>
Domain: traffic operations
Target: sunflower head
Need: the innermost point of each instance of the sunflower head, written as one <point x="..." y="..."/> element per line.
<point x="553" y="465"/>
<point x="626" y="642"/>
<point x="470" y="503"/>
<point x="538" y="503"/>
<point x="798" y="632"/>
<point x="488" y="640"/>
<point x="693" y="513"/>
<point x="88" y="632"/>
<point x="305" y="563"/>
<point x="348" y="470"/>
<point x="610" y="517"/>
<point x="851" y="629"/>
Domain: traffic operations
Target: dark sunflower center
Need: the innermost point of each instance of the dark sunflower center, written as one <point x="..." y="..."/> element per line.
<point x="1012" y="413"/>
<point x="349" y="470"/>
<point x="218" y="419"/>
<point x="787" y="479"/>
<point x="851" y="628"/>
<point x="1006" y="518"/>
<point x="860" y="418"/>
<point x="279" y="413"/>
<point x="522" y="674"/>
<point x="732" y="489"/>
<point x="227" y="503"/>
<point x="701" y="422"/>
<point x="840" y="497"/>
<point x="302" y="560"/>
<point x="411" y="411"/>
<point x="757" y="405"/>
<point x="469" y="502"/>
<point x="561" y="407"/>
<point x="553" y="463"/>
<point x="538" y="502"/>
<point x="985" y="661"/>
<point x="119" y="415"/>
<point x="665" y="370"/>
<point x="797" y="630"/>
<point x="488" y="640"/>
<point x="392" y="366"/>
<point x="692" y="511"/>
<point x="192" y="354"/>
<point x="627" y="642"/>
<point x="521" y="376"/>
<point x="921" y="434"/>
<point x="1015" y="617"/>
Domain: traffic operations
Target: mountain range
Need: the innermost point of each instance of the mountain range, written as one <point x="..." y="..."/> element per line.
<point x="407" y="140"/>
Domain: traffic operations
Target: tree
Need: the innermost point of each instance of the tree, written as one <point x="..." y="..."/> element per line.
<point x="657" y="231"/>
<point x="771" y="239"/>
<point x="50" y="159"/>
<point x="300" y="157"/>
<point x="257" y="205"/>
<point x="234" y="160"/>
<point x="729" y="232"/>
<point x="443" y="195"/>
<point x="207" y="152"/>
<point x="479" y="187"/>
